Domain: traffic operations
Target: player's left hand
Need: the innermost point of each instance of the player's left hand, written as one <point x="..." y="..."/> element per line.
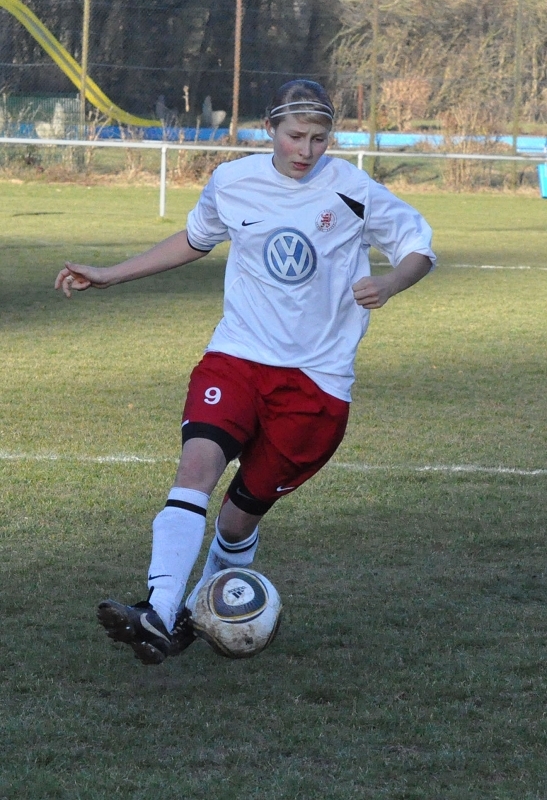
<point x="373" y="291"/>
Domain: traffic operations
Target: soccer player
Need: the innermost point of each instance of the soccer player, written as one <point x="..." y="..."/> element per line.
<point x="273" y="387"/>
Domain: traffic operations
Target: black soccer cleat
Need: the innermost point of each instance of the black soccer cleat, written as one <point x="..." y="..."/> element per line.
<point x="139" y="626"/>
<point x="183" y="633"/>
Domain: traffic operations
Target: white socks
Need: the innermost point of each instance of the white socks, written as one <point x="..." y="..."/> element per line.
<point x="223" y="554"/>
<point x="178" y="532"/>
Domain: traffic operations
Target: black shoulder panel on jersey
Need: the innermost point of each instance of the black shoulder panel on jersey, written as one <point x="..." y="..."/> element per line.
<point x="357" y="207"/>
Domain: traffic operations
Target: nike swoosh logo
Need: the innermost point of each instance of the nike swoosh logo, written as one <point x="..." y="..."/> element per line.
<point x="153" y="577"/>
<point x="284" y="488"/>
<point x="246" y="224"/>
<point x="150" y="628"/>
<point x="242" y="494"/>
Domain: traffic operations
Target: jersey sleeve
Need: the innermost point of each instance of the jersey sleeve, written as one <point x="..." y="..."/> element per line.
<point x="394" y="227"/>
<point x="204" y="227"/>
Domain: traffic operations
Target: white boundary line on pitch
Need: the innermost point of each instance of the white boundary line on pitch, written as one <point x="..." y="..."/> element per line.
<point x="447" y="468"/>
<point x="472" y="266"/>
<point x="115" y="459"/>
<point x="491" y="266"/>
<point x="131" y="459"/>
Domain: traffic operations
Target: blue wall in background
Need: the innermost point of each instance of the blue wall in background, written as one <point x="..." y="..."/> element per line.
<point x="384" y="141"/>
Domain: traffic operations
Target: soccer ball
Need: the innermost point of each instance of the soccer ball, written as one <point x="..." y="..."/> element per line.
<point x="237" y="611"/>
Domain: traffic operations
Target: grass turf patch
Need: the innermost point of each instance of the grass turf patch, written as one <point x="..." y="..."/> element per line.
<point x="410" y="663"/>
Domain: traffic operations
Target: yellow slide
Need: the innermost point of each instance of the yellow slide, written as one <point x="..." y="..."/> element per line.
<point x="70" y="67"/>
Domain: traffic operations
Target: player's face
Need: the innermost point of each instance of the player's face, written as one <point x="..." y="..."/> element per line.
<point x="298" y="145"/>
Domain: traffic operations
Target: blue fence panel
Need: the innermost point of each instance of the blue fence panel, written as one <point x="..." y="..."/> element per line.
<point x="385" y="140"/>
<point x="542" y="177"/>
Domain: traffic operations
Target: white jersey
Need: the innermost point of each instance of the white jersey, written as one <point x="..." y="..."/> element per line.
<point x="297" y="247"/>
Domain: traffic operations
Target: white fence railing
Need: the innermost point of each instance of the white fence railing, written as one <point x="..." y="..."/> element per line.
<point x="163" y="147"/>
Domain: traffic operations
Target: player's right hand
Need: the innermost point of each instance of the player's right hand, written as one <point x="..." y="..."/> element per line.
<point x="80" y="277"/>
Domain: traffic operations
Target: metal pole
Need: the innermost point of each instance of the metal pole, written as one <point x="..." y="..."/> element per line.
<point x="237" y="70"/>
<point x="360" y="107"/>
<point x="373" y="116"/>
<point x="517" y="97"/>
<point x="83" y="75"/>
<point x="163" y="179"/>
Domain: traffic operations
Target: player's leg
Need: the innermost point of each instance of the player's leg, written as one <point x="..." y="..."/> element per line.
<point x="210" y="440"/>
<point x="234" y="544"/>
<point x="221" y="407"/>
<point x="294" y="441"/>
<point x="178" y="532"/>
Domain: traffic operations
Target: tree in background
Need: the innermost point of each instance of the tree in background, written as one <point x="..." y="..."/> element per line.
<point x="465" y="49"/>
<point x="404" y="100"/>
<point x="141" y="51"/>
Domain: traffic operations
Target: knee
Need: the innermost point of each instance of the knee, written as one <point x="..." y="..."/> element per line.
<point x="201" y="464"/>
<point x="244" y="499"/>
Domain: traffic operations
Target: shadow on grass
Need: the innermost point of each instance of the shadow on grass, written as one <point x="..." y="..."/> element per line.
<point x="37" y="299"/>
<point x="395" y="652"/>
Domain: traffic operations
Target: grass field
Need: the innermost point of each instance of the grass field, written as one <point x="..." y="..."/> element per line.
<point x="412" y="659"/>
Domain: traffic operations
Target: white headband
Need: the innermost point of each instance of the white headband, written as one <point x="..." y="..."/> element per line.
<point x="279" y="112"/>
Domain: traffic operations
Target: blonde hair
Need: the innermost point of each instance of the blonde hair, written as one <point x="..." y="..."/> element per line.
<point x="302" y="97"/>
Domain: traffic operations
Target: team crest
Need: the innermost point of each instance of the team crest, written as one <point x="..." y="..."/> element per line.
<point x="289" y="256"/>
<point x="325" y="221"/>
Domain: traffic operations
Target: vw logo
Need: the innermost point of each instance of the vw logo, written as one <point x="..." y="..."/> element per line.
<point x="289" y="256"/>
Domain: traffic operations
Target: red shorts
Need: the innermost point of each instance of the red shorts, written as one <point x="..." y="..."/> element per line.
<point x="286" y="426"/>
